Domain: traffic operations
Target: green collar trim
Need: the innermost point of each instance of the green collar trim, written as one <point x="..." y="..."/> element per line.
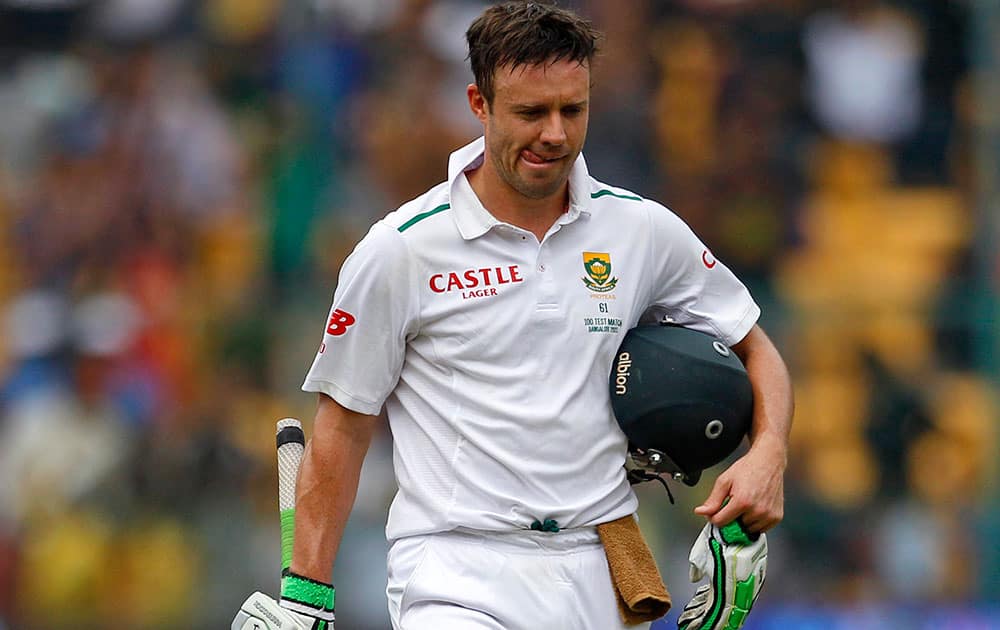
<point x="423" y="215"/>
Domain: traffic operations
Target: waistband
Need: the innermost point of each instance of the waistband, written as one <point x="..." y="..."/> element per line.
<point x="527" y="540"/>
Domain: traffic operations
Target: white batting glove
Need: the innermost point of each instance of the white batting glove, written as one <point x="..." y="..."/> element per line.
<point x="305" y="605"/>
<point x="260" y="612"/>
<point x="735" y="564"/>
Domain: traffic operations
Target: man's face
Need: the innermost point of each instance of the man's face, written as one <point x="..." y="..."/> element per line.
<point x="536" y="125"/>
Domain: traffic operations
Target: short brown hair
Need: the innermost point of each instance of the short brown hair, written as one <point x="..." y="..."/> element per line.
<point x="523" y="33"/>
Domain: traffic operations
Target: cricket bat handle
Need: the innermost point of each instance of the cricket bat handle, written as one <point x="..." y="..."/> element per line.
<point x="291" y="442"/>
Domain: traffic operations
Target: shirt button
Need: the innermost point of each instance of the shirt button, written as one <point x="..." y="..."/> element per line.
<point x="541" y="268"/>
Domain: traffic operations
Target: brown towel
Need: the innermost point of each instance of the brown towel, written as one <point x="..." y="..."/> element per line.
<point x="642" y="596"/>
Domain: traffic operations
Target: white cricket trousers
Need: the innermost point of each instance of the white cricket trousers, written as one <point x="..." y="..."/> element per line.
<point x="524" y="580"/>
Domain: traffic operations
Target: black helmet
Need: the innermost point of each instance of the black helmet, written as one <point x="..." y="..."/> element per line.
<point x="682" y="398"/>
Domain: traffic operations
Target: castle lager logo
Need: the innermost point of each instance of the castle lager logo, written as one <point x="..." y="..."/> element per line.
<point x="598" y="268"/>
<point x="475" y="283"/>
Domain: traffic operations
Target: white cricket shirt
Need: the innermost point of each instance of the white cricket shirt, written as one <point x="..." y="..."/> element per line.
<point x="491" y="351"/>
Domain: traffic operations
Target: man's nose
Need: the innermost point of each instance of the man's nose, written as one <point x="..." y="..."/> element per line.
<point x="553" y="129"/>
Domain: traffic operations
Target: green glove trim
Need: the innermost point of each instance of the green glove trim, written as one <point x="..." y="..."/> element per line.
<point x="303" y="590"/>
<point x="720" y="588"/>
<point x="287" y="537"/>
<point x="743" y="603"/>
<point x="735" y="533"/>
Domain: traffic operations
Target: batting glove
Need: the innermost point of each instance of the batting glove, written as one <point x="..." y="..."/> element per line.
<point x="307" y="597"/>
<point x="305" y="605"/>
<point x="260" y="612"/>
<point x="735" y="563"/>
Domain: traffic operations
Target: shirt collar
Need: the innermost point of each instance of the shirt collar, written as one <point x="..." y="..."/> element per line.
<point x="474" y="219"/>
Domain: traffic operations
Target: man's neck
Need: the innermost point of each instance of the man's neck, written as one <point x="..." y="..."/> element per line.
<point x="507" y="205"/>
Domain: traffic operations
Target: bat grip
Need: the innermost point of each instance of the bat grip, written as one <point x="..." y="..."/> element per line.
<point x="290" y="441"/>
<point x="287" y="537"/>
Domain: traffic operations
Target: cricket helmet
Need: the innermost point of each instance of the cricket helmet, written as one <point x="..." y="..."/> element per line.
<point x="682" y="398"/>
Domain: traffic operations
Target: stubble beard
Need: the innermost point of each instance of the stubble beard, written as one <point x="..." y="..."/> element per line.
<point x="537" y="190"/>
<point x="532" y="189"/>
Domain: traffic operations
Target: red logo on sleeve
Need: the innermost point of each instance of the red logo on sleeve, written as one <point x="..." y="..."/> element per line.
<point x="339" y="321"/>
<point x="708" y="259"/>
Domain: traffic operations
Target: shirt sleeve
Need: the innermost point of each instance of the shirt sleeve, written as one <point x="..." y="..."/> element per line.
<point x="691" y="286"/>
<point x="373" y="312"/>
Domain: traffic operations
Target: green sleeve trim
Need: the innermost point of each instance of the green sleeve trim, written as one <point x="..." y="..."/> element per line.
<point x="305" y="591"/>
<point x="287" y="537"/>
<point x="606" y="193"/>
<point x="423" y="215"/>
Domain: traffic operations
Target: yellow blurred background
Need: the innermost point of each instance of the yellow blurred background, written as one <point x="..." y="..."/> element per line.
<point x="180" y="181"/>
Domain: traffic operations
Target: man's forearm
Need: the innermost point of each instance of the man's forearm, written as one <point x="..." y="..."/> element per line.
<point x="752" y="489"/>
<point x="327" y="486"/>
<point x="772" y="391"/>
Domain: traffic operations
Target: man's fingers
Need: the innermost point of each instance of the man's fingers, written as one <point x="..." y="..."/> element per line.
<point x="756" y="525"/>
<point x="728" y="513"/>
<point x="767" y="520"/>
<point x="757" y="520"/>
<point x="720" y="491"/>
<point x="760" y="525"/>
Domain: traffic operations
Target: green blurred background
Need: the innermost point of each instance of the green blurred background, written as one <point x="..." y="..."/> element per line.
<point x="180" y="181"/>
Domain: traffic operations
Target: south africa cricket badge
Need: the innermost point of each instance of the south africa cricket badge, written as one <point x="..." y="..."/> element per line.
<point x="598" y="268"/>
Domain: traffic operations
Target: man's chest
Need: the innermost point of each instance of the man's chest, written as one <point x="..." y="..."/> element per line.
<point x="500" y="297"/>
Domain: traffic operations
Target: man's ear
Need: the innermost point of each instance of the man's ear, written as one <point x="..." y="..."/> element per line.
<point x="477" y="103"/>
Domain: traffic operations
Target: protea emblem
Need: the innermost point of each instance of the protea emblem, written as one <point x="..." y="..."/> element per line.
<point x="598" y="268"/>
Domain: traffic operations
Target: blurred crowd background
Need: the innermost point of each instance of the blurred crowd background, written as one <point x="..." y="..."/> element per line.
<point x="181" y="179"/>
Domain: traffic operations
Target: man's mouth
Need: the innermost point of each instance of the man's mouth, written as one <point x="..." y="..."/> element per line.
<point x="534" y="158"/>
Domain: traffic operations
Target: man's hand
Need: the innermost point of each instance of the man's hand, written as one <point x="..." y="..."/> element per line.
<point x="735" y="563"/>
<point x="260" y="612"/>
<point x="752" y="489"/>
